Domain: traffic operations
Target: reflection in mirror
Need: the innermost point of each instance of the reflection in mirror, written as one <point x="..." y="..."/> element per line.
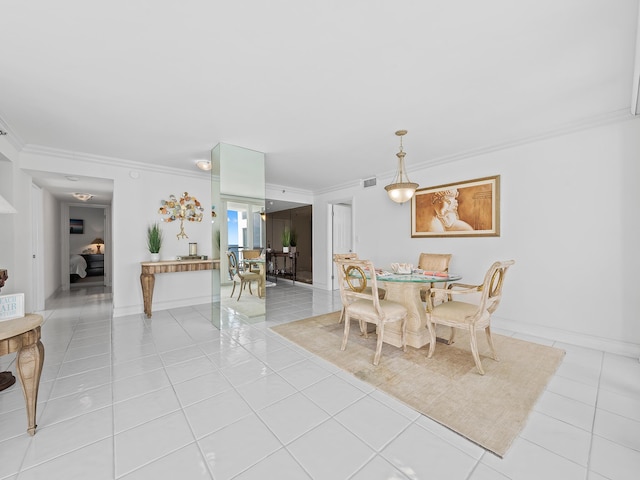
<point x="241" y="232"/>
<point x="215" y="239"/>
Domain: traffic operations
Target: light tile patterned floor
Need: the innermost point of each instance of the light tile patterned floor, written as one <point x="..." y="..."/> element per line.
<point x="177" y="397"/>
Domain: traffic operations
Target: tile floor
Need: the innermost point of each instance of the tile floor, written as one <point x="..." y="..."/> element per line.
<point x="177" y="397"/>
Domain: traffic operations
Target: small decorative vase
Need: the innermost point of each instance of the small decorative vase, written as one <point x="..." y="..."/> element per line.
<point x="285" y="249"/>
<point x="155" y="257"/>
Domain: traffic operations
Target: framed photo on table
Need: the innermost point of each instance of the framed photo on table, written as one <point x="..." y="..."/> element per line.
<point x="463" y="209"/>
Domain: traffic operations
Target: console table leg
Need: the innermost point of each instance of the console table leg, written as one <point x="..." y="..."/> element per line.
<point x="147" y="281"/>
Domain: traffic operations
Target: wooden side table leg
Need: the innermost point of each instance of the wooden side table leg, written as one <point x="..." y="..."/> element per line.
<point x="147" y="281"/>
<point x="29" y="367"/>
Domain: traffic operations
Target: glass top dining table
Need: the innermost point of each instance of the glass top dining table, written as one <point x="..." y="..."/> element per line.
<point x="405" y="289"/>
<point x="421" y="278"/>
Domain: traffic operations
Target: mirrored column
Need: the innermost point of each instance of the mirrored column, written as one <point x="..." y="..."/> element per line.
<point x="240" y="230"/>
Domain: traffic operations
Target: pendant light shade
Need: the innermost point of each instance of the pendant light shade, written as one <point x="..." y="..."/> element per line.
<point x="402" y="189"/>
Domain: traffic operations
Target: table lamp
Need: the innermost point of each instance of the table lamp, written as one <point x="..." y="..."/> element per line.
<point x="98" y="242"/>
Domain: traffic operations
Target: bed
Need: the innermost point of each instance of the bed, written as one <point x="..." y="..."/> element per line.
<point x="77" y="267"/>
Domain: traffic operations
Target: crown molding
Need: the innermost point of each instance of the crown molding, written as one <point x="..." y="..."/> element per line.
<point x="595" y="121"/>
<point x="109" y="161"/>
<point x="586" y="124"/>
<point x="599" y="120"/>
<point x="12" y="137"/>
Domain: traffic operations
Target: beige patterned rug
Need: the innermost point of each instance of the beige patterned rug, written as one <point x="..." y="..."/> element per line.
<point x="489" y="410"/>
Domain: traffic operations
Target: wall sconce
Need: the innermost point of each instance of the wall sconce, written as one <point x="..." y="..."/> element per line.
<point x="98" y="242"/>
<point x="402" y="189"/>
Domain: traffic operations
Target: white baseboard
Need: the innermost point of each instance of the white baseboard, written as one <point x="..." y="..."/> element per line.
<point x="626" y="349"/>
<point x="160" y="305"/>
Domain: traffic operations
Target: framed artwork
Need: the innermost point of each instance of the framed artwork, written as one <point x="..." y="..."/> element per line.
<point x="76" y="225"/>
<point x="463" y="209"/>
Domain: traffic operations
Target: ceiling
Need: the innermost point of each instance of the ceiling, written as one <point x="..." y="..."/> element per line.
<point x="319" y="87"/>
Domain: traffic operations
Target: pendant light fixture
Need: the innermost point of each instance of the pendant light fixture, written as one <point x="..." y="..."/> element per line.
<point x="402" y="189"/>
<point x="83" y="197"/>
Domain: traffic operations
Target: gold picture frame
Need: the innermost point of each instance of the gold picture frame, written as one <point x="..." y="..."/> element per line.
<point x="462" y="209"/>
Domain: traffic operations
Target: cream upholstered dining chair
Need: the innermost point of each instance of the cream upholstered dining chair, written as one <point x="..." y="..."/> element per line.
<point x="241" y="277"/>
<point x="365" y="305"/>
<point x="469" y="316"/>
<point x="434" y="262"/>
<point x="354" y="256"/>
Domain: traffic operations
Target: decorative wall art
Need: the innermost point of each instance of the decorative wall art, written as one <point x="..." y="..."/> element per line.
<point x="186" y="208"/>
<point x="76" y="225"/>
<point x="463" y="209"/>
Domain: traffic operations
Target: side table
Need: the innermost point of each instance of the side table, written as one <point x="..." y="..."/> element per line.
<point x="22" y="335"/>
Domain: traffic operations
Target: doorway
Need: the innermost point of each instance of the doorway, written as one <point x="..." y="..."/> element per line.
<point x="86" y="243"/>
<point x="341" y="235"/>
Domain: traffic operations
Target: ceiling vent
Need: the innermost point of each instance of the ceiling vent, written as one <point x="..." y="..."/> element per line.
<point x="369" y="182"/>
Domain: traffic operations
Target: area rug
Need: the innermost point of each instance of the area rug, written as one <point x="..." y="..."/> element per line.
<point x="489" y="409"/>
<point x="249" y="305"/>
<point x="248" y="309"/>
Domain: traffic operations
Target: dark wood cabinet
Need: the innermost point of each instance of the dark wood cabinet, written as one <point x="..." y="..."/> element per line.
<point x="95" y="264"/>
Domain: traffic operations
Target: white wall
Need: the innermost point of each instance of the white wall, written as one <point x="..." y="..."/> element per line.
<point x="135" y="206"/>
<point x="568" y="217"/>
<point x="8" y="155"/>
<point x="15" y="242"/>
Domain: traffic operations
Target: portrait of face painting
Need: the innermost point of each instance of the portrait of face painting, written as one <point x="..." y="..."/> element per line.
<point x="463" y="209"/>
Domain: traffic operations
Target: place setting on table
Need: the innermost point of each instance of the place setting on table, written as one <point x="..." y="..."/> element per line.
<point x="405" y="272"/>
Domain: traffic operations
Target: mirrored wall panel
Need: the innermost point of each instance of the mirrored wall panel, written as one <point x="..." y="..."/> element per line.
<point x="239" y="229"/>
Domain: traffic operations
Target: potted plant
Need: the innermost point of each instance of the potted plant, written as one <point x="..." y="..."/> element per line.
<point x="293" y="241"/>
<point x="154" y="241"/>
<point x="286" y="239"/>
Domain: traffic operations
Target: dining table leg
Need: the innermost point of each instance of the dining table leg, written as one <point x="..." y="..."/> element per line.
<point x="408" y="294"/>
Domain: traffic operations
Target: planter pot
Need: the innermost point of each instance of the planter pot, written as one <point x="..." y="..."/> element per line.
<point x="293" y="249"/>
<point x="155" y="257"/>
<point x="285" y="249"/>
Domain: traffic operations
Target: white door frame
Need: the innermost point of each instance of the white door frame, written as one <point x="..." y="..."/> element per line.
<point x="37" y="249"/>
<point x="333" y="281"/>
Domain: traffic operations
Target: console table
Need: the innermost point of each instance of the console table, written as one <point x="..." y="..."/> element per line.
<point x="149" y="269"/>
<point x="290" y="270"/>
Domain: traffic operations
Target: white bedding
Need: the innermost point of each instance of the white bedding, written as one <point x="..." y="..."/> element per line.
<point x="77" y="265"/>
